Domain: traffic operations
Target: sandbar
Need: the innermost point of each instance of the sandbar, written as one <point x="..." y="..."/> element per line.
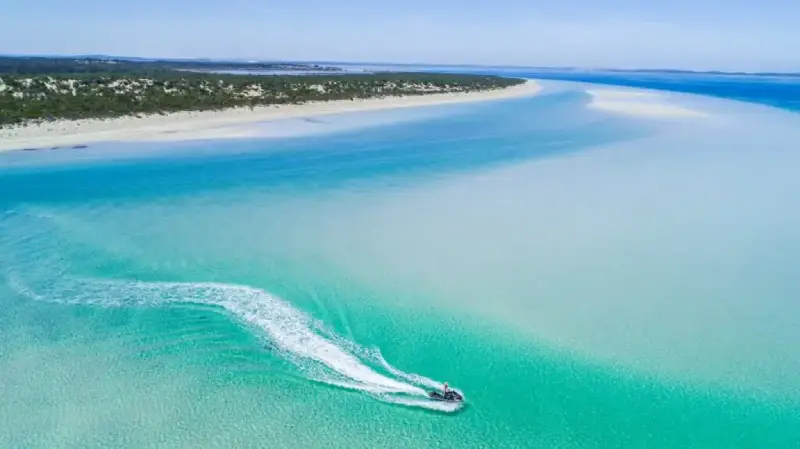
<point x="638" y="103"/>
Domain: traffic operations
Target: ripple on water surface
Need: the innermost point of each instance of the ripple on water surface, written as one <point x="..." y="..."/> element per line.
<point x="232" y="300"/>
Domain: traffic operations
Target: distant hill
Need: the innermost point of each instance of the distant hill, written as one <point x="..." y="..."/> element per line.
<point x="255" y="64"/>
<point x="39" y="65"/>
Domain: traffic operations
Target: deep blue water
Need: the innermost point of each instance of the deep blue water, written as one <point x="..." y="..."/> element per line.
<point x="772" y="90"/>
<point x="781" y="92"/>
<point x="435" y="147"/>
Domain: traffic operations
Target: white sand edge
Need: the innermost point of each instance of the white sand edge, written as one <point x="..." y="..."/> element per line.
<point x="220" y="124"/>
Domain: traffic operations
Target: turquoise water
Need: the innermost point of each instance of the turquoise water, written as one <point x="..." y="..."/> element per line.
<point x="587" y="280"/>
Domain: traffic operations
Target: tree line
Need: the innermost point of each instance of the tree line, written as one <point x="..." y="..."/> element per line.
<point x="28" y="98"/>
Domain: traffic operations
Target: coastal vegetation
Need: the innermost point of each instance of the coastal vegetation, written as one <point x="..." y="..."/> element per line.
<point x="43" y="96"/>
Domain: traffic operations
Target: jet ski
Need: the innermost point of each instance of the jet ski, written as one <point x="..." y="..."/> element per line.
<point x="449" y="396"/>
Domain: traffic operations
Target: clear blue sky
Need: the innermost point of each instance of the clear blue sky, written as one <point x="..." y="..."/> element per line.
<point x="696" y="34"/>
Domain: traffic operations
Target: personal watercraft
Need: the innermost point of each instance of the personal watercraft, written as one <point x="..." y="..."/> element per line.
<point x="449" y="396"/>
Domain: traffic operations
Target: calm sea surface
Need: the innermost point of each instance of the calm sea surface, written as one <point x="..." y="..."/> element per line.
<point x="586" y="279"/>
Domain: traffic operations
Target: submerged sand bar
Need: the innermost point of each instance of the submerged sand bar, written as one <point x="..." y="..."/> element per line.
<point x="226" y="123"/>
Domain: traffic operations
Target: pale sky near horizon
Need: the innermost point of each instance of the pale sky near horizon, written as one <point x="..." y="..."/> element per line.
<point x="682" y="34"/>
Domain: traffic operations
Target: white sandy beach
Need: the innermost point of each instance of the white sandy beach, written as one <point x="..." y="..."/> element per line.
<point x="229" y="123"/>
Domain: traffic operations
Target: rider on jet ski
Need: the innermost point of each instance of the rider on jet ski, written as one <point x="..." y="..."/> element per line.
<point x="446" y="395"/>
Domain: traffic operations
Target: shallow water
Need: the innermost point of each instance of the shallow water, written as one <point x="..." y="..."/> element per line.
<point x="585" y="279"/>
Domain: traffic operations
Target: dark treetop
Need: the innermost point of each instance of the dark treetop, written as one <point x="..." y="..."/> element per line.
<point x="144" y="88"/>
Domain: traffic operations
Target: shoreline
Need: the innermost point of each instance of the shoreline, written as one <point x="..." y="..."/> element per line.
<point x="222" y="124"/>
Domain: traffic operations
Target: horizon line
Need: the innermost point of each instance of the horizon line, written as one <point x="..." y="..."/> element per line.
<point x="378" y="63"/>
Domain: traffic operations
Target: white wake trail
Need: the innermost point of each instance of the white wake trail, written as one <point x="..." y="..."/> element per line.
<point x="33" y="262"/>
<point x="328" y="360"/>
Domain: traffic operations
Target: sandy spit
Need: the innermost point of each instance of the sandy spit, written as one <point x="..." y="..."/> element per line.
<point x="218" y="124"/>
